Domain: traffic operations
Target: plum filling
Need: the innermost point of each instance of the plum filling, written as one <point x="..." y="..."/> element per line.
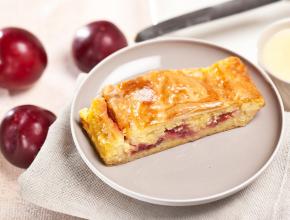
<point x="141" y="147"/>
<point x="181" y="131"/>
<point x="220" y="118"/>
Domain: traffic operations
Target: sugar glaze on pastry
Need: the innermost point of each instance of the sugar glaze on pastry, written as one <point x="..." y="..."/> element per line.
<point x="165" y="108"/>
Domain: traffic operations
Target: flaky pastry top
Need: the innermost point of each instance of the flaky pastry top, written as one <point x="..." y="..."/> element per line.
<point x="161" y="95"/>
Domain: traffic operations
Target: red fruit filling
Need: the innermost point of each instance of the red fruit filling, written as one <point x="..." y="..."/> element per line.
<point x="218" y="119"/>
<point x="141" y="147"/>
<point x="180" y="131"/>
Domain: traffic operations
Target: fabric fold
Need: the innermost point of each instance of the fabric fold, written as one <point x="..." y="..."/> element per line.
<point x="59" y="180"/>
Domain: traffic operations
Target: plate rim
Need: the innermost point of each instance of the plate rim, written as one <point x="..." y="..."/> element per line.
<point x="176" y="202"/>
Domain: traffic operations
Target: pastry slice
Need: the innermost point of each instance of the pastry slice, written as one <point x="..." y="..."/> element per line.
<point x="165" y="108"/>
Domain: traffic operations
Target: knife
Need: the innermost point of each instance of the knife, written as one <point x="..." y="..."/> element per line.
<point x="200" y="16"/>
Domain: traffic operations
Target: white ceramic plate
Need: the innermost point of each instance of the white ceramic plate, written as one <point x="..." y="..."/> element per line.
<point x="194" y="173"/>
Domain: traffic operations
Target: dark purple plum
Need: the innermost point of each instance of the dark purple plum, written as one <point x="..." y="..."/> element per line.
<point x="23" y="132"/>
<point x="94" y="42"/>
<point x="22" y="58"/>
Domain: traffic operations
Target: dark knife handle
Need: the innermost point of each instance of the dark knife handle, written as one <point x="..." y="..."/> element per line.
<point x="200" y="16"/>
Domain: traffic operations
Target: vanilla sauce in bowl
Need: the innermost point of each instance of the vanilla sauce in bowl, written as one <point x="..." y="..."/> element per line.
<point x="276" y="54"/>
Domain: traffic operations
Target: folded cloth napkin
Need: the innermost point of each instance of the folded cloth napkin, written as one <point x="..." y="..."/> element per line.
<point x="59" y="180"/>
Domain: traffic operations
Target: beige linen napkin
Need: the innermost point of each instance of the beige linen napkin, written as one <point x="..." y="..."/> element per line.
<point x="59" y="180"/>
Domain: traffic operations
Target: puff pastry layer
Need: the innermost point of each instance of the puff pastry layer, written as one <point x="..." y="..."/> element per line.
<point x="165" y="108"/>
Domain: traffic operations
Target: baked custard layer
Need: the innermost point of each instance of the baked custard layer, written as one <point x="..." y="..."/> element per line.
<point x="165" y="108"/>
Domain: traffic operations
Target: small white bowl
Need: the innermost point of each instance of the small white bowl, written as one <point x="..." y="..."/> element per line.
<point x="282" y="84"/>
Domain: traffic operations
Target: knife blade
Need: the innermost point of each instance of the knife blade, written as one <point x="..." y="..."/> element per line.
<point x="200" y="16"/>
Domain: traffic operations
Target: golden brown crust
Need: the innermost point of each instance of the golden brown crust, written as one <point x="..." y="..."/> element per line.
<point x="142" y="109"/>
<point x="104" y="132"/>
<point x="160" y="96"/>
